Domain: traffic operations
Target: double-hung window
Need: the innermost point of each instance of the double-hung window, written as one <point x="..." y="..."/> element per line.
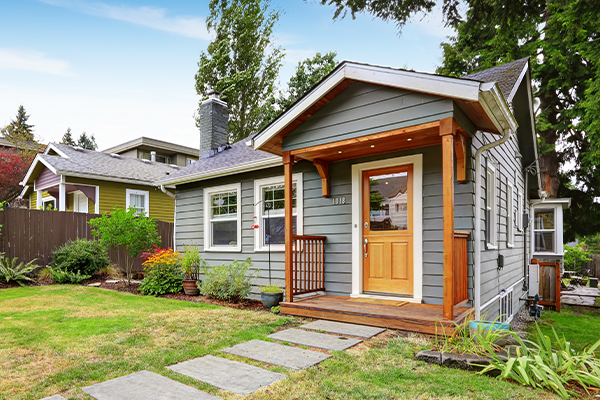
<point x="222" y="218"/>
<point x="269" y="197"/>
<point x="511" y="212"/>
<point x="138" y="199"/>
<point x="544" y="231"/>
<point x="490" y="206"/>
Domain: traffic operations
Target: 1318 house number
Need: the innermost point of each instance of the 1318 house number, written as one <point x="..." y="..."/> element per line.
<point x="338" y="200"/>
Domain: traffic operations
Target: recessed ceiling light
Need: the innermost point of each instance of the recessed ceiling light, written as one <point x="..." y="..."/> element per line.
<point x="386" y="183"/>
<point x="409" y="139"/>
<point x="340" y="152"/>
<point x="372" y="145"/>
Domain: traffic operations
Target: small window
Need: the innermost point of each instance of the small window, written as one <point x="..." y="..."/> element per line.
<point x="189" y="161"/>
<point x="163" y="159"/>
<point x="490" y="207"/>
<point x="270" y="211"/>
<point x="506" y="306"/>
<point x="511" y="213"/>
<point x="138" y="199"/>
<point x="222" y="216"/>
<point x="520" y="211"/>
<point x="544" y="231"/>
<point x="49" y="203"/>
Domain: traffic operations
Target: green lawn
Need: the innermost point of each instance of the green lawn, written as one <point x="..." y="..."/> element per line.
<point x="54" y="339"/>
<point x="581" y="327"/>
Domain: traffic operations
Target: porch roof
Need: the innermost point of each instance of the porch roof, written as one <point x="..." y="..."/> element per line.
<point x="482" y="102"/>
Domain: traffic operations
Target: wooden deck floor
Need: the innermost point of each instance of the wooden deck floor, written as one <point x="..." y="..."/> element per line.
<point x="411" y="317"/>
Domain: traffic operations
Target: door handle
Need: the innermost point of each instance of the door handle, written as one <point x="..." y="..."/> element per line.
<point x="365" y="247"/>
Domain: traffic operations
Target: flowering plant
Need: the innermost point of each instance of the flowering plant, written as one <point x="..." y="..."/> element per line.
<point x="162" y="272"/>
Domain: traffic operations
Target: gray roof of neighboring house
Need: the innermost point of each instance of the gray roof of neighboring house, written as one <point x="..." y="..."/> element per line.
<point x="505" y="75"/>
<point x="237" y="153"/>
<point x="91" y="162"/>
<point x="6" y="143"/>
<point x="153" y="143"/>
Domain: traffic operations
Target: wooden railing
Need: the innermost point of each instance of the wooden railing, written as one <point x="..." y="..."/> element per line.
<point x="308" y="264"/>
<point x="460" y="267"/>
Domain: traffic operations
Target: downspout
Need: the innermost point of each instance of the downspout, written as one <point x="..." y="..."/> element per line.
<point x="477" y="233"/>
<point x="165" y="191"/>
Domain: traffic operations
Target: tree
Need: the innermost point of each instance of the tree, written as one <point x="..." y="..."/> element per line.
<point x="125" y="228"/>
<point x="561" y="39"/>
<point x="20" y="133"/>
<point x="576" y="257"/>
<point x="13" y="167"/>
<point x="308" y="73"/>
<point x="68" y="138"/>
<point x="87" y="142"/>
<point x="241" y="62"/>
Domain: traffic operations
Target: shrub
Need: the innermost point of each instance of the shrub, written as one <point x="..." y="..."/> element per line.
<point x="271" y="289"/>
<point x="11" y="271"/>
<point x="64" y="276"/>
<point x="45" y="274"/>
<point x="163" y="273"/>
<point x="191" y="263"/>
<point x="543" y="363"/>
<point x="112" y="271"/>
<point x="576" y="257"/>
<point x="228" y="282"/>
<point x="86" y="256"/>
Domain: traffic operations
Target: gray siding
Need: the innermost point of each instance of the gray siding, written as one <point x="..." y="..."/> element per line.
<point x="365" y="109"/>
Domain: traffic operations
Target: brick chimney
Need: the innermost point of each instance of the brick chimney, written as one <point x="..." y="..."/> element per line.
<point x="214" y="116"/>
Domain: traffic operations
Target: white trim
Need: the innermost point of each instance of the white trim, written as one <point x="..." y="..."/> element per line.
<point x="496" y="297"/>
<point x="487" y="94"/>
<point x="512" y="93"/>
<point x="38" y="158"/>
<point x="357" y="259"/>
<point x="52" y="146"/>
<point x="106" y="178"/>
<point x="39" y="199"/>
<point x="506" y="296"/>
<point x="97" y="202"/>
<point x="145" y="193"/>
<point x="510" y="213"/>
<point x="47" y="200"/>
<point x="520" y="211"/>
<point x="76" y="197"/>
<point x="236" y="169"/>
<point x="491" y="205"/>
<point x="207" y="228"/>
<point x="62" y="195"/>
<point x="258" y="233"/>
<point x="557" y="206"/>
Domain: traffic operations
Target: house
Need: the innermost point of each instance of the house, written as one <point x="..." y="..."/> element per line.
<point x="70" y="178"/>
<point x="398" y="197"/>
<point x="156" y="150"/>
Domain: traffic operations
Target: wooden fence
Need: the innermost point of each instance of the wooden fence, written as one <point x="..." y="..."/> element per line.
<point x="35" y="234"/>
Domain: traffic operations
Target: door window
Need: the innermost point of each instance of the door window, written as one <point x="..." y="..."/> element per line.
<point x="389" y="202"/>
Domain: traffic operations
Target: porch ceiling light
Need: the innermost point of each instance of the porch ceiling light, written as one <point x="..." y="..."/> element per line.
<point x="372" y="145"/>
<point x="409" y="139"/>
<point x="340" y="152"/>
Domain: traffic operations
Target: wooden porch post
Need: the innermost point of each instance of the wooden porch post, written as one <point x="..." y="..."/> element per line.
<point x="288" y="162"/>
<point x="447" y="131"/>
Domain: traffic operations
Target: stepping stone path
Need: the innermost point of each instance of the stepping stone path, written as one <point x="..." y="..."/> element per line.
<point x="314" y="339"/>
<point x="277" y="354"/>
<point x="226" y="374"/>
<point x="344" y="328"/>
<point x="145" y="385"/>
<point x="231" y="375"/>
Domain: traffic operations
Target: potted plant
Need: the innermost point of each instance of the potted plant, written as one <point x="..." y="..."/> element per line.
<point x="191" y="262"/>
<point x="271" y="295"/>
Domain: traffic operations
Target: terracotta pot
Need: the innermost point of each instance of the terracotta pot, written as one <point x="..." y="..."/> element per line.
<point x="190" y="288"/>
<point x="271" y="299"/>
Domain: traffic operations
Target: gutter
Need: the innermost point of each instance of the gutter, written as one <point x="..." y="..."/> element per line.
<point x="477" y="233"/>
<point x="165" y="191"/>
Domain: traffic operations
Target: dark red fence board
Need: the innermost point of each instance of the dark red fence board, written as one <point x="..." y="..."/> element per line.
<point x="35" y="234"/>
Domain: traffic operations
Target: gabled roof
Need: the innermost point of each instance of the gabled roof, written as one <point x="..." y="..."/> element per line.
<point x="506" y="76"/>
<point x="482" y="102"/>
<point x="73" y="161"/>
<point x="153" y="143"/>
<point x="238" y="158"/>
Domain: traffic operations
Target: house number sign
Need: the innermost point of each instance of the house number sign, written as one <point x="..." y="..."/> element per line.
<point x="338" y="200"/>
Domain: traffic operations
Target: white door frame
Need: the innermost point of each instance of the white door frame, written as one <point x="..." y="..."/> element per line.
<point x="357" y="248"/>
<point x="76" y="196"/>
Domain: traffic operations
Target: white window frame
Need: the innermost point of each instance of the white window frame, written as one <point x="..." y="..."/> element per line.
<point x="145" y="193"/>
<point x="491" y="205"/>
<point x="47" y="200"/>
<point x="506" y="305"/>
<point x="520" y="211"/>
<point x="510" y="215"/>
<point x="237" y="187"/>
<point x="555" y="230"/>
<point x="299" y="214"/>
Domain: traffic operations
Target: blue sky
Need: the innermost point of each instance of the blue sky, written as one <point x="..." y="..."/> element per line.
<point x="121" y="70"/>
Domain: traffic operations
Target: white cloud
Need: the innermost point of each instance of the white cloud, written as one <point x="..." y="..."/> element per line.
<point x="31" y="60"/>
<point x="151" y="17"/>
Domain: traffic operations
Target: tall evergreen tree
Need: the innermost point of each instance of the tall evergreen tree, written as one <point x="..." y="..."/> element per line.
<point x="18" y="130"/>
<point x="241" y="62"/>
<point x="87" y="142"/>
<point x="68" y="138"/>
<point x="561" y="37"/>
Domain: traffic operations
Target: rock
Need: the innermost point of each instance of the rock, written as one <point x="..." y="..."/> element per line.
<point x="453" y="360"/>
<point x="96" y="284"/>
<point x="430" y="357"/>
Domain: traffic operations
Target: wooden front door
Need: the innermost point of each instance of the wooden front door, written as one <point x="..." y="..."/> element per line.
<point x="388" y="230"/>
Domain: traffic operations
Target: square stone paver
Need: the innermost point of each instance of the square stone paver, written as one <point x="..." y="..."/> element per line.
<point x="315" y="339"/>
<point x="145" y="385"/>
<point x="277" y="354"/>
<point x="343" y="328"/>
<point x="55" y="397"/>
<point x="226" y="374"/>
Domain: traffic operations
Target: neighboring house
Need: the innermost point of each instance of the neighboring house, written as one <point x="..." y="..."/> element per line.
<point x="6" y="144"/>
<point x="79" y="180"/>
<point x="380" y="185"/>
<point x="156" y="150"/>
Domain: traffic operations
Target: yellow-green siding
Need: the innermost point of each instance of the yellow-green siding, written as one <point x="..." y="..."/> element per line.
<point x="33" y="200"/>
<point x="162" y="207"/>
